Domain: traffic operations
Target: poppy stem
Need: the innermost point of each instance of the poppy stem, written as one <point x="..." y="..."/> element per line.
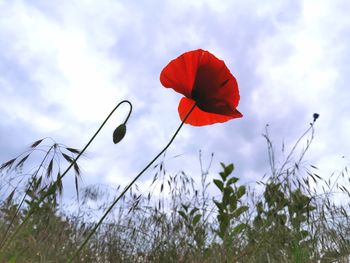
<point x="129" y="186"/>
<point x="52" y="188"/>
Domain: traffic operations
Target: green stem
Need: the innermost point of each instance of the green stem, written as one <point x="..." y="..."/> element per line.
<point x="128" y="187"/>
<point x="32" y="210"/>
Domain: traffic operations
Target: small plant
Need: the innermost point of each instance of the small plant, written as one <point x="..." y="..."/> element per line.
<point x="230" y="210"/>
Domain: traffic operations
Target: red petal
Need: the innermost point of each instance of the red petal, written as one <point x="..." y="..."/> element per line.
<point x="215" y="89"/>
<point x="201" y="118"/>
<point x="180" y="73"/>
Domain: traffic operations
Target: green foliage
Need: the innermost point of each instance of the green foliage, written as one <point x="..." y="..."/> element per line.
<point x="278" y="221"/>
<point x="230" y="210"/>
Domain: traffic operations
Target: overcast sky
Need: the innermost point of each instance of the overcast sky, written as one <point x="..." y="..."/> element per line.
<point x="65" y="64"/>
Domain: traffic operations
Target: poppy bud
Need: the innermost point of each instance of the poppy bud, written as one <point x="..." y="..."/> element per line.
<point x="119" y="133"/>
<point x="316" y="115"/>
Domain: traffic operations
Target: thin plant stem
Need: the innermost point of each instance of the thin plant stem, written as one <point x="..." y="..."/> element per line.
<point x="295" y="146"/>
<point x="128" y="187"/>
<point x="52" y="187"/>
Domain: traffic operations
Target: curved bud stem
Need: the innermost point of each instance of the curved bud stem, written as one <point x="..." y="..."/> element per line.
<point x="128" y="187"/>
<point x="99" y="129"/>
<point x="52" y="188"/>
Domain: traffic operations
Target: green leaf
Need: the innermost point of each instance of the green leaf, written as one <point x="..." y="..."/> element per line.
<point x="219" y="205"/>
<point x="240" y="191"/>
<point x="223" y="176"/>
<point x="232" y="180"/>
<point x="196" y="219"/>
<point x="219" y="184"/>
<point x="193" y="211"/>
<point x="239" y="228"/>
<point x="240" y="211"/>
<point x="185" y="207"/>
<point x="183" y="215"/>
<point x="233" y="205"/>
<point x="223" y="165"/>
<point x="229" y="169"/>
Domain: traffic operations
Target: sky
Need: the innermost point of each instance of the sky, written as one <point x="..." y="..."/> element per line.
<point x="64" y="65"/>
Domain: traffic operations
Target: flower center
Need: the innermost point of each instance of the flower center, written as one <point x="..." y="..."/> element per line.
<point x="197" y="97"/>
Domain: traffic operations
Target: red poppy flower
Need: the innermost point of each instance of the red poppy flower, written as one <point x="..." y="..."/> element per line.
<point x="204" y="80"/>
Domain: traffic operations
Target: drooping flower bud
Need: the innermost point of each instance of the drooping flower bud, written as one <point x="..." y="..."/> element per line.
<point x="316" y="115"/>
<point x="119" y="133"/>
